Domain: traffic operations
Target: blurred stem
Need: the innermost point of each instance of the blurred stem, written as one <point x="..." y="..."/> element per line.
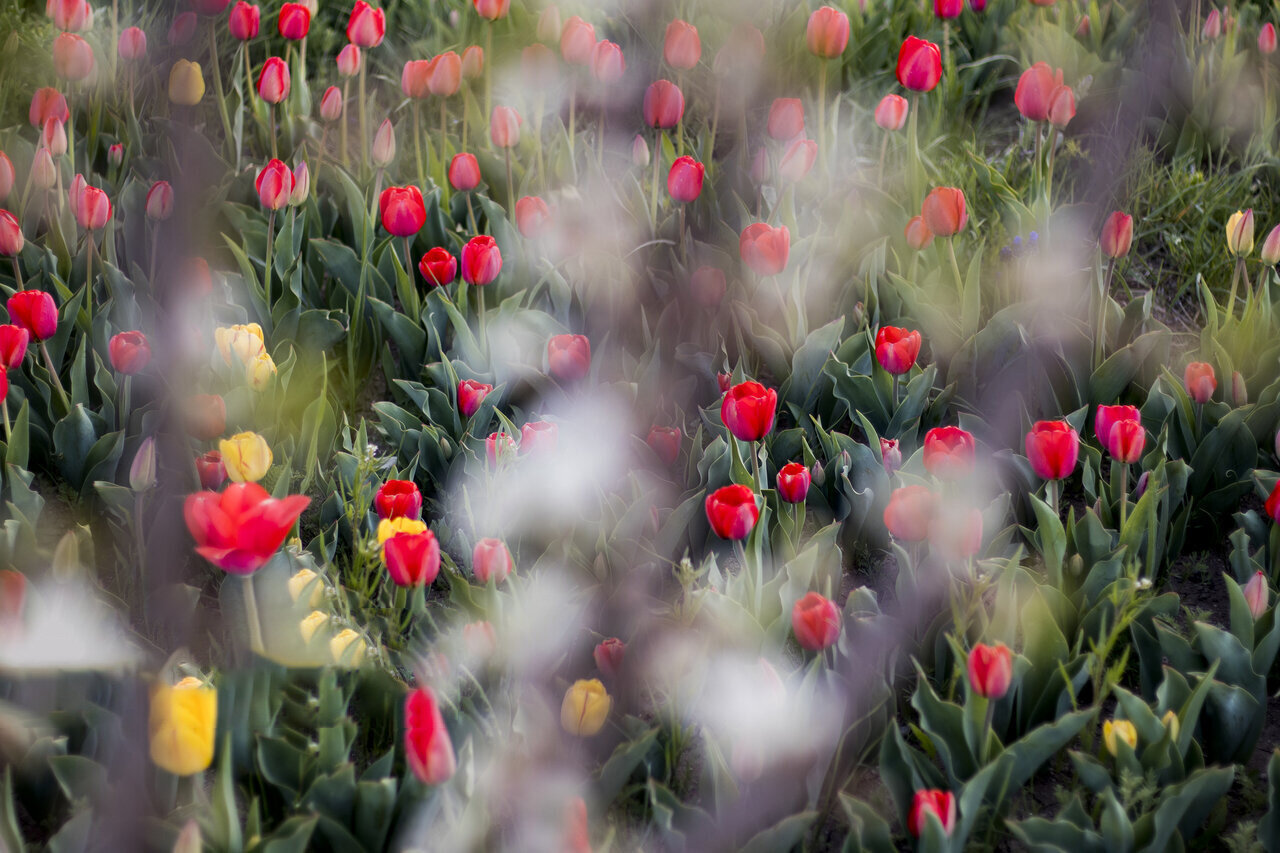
<point x="140" y="548"/>
<point x="822" y="114"/>
<point x="364" y="117"/>
<point x="1124" y="494"/>
<point x="715" y="123"/>
<point x="511" y="185"/>
<point x="988" y="718"/>
<point x="573" y="119"/>
<point x="653" y="190"/>
<point x="53" y="373"/>
<point x="1052" y="488"/>
<point x="17" y="272"/>
<point x="894" y="394"/>
<point x="346" y="163"/>
<point x="955" y="267"/>
<point x="271" y="112"/>
<point x="126" y="392"/>
<point x="488" y="74"/>
<point x="884" y="148"/>
<point x="217" y="82"/>
<point x="417" y="142"/>
<point x="1048" y="178"/>
<point x="604" y="115"/>
<point x="1199" y="420"/>
<point x="266" y="271"/>
<point x="1100" y="336"/>
<point x="251" y="613"/>
<point x="8" y="429"/>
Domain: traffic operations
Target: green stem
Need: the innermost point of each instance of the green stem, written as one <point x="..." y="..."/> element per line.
<point x="251" y="614"/>
<point x="955" y="268"/>
<point x="653" y="192"/>
<point x="1124" y="494"/>
<point x="822" y="115"/>
<point x="364" y="118"/>
<point x="266" y="270"/>
<point x="57" y="380"/>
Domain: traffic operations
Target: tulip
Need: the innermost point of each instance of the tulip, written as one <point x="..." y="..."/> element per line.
<point x="1212" y="25"/>
<point x="464" y="172"/>
<point x="549" y="26"/>
<point x="585" y="708"/>
<point x="301" y="185"/>
<point x="538" y="437"/>
<point x="815" y="621"/>
<point x="732" y="512"/>
<point x="890" y="455"/>
<point x="398" y="499"/>
<point x="504" y="127"/>
<point x="917" y="233"/>
<point x="764" y="249"/>
<point x="948" y="452"/>
<point x="389" y="527"/>
<point x="681" y="47"/>
<point x="402" y="210"/>
<point x="569" y="357"/>
<point x="182" y="725"/>
<point x="608" y="656"/>
<point x="827" y="33"/>
<point x="786" y="119"/>
<point x="159" y="204"/>
<point x="132" y="44"/>
<point x="384" y="144"/>
<point x="684" y="181"/>
<point x="54" y="136"/>
<point x="1272" y="506"/>
<point x="1108" y="416"/>
<point x="314" y="621"/>
<point x="708" y="285"/>
<point x="211" y="471"/>
<point x="473" y="62"/>
<point x="499" y="447"/>
<point x="1198" y="379"/>
<point x="798" y="160"/>
<point x="1117" y="235"/>
<point x="347" y="648"/>
<point x="413" y="79"/>
<point x="639" y="151"/>
<point x="1114" y="731"/>
<point x="607" y="62"/>
<point x="577" y="40"/>
<point x="240" y="529"/>
<point x="115" y="154"/>
<point x="274" y="185"/>
<point x="244" y="341"/>
<point x="244" y="21"/>
<point x="947" y="9"/>
<point x="1126" y="441"/>
<point x="92" y="208"/>
<point x="438" y="266"/>
<point x="532" y="217"/>
<point x="13" y="338"/>
<point x="665" y="443"/>
<point x="940" y="804"/>
<point x="919" y="65"/>
<point x="129" y="352"/>
<point x="11" y="237"/>
<point x="331" y="104"/>
<point x="481" y="260"/>
<point x="470" y="395"/>
<point x="412" y="559"/>
<point x="186" y="84"/>
<point x="247" y="457"/>
<point x="491" y="559"/>
<point x="69" y="15"/>
<point x="793" y="482"/>
<point x="1240" y="233"/>
<point x="444" y="74"/>
<point x="1256" y="595"/>
<point x="34" y="311"/>
<point x="1267" y="38"/>
<point x="43" y="173"/>
<point x="72" y="57"/>
<point x="891" y="112"/>
<point x="897" y="349"/>
<point x="1239" y="391"/>
<point x="295" y="21"/>
<point x="1062" y="106"/>
<point x="1270" y="247"/>
<point x="663" y="104"/>
<point x="427" y="747"/>
<point x="492" y="10"/>
<point x="303" y="580"/>
<point x="748" y="410"/>
<point x="944" y="211"/>
<point x="909" y="512"/>
<point x="990" y="670"/>
<point x="1052" y="449"/>
<point x="142" y="473"/>
<point x="48" y="103"/>
<point x="366" y="26"/>
<point x="273" y="81"/>
<point x="349" y="61"/>
<point x="6" y="176"/>
<point x="1036" y="86"/>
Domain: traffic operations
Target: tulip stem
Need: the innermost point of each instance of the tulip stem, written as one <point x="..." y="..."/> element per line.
<point x="471" y="214"/>
<point x="1051" y="490"/>
<point x="417" y="143"/>
<point x="1235" y="281"/>
<point x="955" y="268"/>
<point x="126" y="392"/>
<point x="884" y="148"/>
<point x="488" y="73"/>
<point x="894" y="393"/>
<point x="1100" y="336"/>
<point x="822" y="114"/>
<point x="8" y="430"/>
<point x="1124" y="494"/>
<point x="346" y="163"/>
<point x="364" y="118"/>
<point x="251" y="614"/>
<point x="266" y="269"/>
<point x="217" y="81"/>
<point x="987" y="721"/>
<point x="444" y="145"/>
<point x="573" y="120"/>
<point x="653" y="193"/>
<point x="53" y="373"/>
<point x="511" y="184"/>
<point x="17" y="272"/>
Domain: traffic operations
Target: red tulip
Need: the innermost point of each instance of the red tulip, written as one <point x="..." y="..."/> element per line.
<point x="366" y="26"/>
<point x="891" y="112"/>
<point x="295" y="21"/>
<point x="1062" y="106"/>
<point x="786" y="119"/>
<point x="708" y="285"/>
<point x="1108" y="416"/>
<point x="663" y="104"/>
<point x="159" y="204"/>
<point x="427" y="747"/>
<point x="1117" y="235"/>
<point x="331" y="104"/>
<point x="491" y="559"/>
<point x="948" y="452"/>
<point x="798" y="160"/>
<point x="413" y="79"/>
<point x="274" y="185"/>
<point x="69" y="15"/>
<point x="748" y="410"/>
<point x="34" y="311"/>
<point x="732" y="512"/>
<point x="90" y="205"/>
<point x="54" y="137"/>
<point x="6" y="176"/>
<point x="569" y="357"/>
<point x="13" y="345"/>
<point x="464" y="172"/>
<point x="815" y="621"/>
<point x="273" y="82"/>
<point x="1267" y="38"/>
<point x="944" y="211"/>
<point x="348" y="61"/>
<point x="444" y="74"/>
<point x="403" y="211"/>
<point x="607" y="62"/>
<point x="940" y="804"/>
<point x="211" y="471"/>
<point x="764" y="249"/>
<point x="909" y="512"/>
<point x="129" y="352"/>
<point x="504" y="127"/>
<point x="577" y="40"/>
<point x="724" y="381"/>
<point x="48" y="103"/>
<point x="240" y="529"/>
<point x="1127" y="440"/>
<point x="681" y="47"/>
<point x="492" y="9"/>
<point x="473" y="62"/>
<point x="1212" y="25"/>
<point x="1035" y="91"/>
<point x="1200" y="381"/>
<point x="827" y="33"/>
<point x="532" y="217"/>
<point x="398" y="499"/>
<point x="684" y="181"/>
<point x="917" y="233"/>
<point x="665" y="443"/>
<point x="990" y="670"/>
<point x="538" y="437"/>
<point x="183" y="29"/>
<point x="1272" y="505"/>
<point x="438" y="266"/>
<point x="245" y="20"/>
<point x="608" y="656"/>
<point x="470" y="395"/>
<point x="793" y="482"/>
<point x="919" y="64"/>
<point x="132" y="44"/>
<point x="481" y="260"/>
<point x="1052" y="449"/>
<point x="897" y="349"/>
<point x="72" y="57"/>
<point x="947" y="9"/>
<point x="115" y="154"/>
<point x="413" y="559"/>
<point x="890" y="455"/>
<point x="499" y="447"/>
<point x="11" y="237"/>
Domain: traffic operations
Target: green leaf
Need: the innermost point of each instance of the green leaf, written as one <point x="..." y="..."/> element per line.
<point x="291" y="836"/>
<point x="782" y="836"/>
<point x="78" y="777"/>
<point x="1269" y="827"/>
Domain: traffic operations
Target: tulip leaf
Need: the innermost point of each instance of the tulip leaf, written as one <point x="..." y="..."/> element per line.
<point x="621" y="764"/>
<point x="292" y="836"/>
<point x="1269" y="827"/>
<point x="78" y="777"/>
<point x="786" y="834"/>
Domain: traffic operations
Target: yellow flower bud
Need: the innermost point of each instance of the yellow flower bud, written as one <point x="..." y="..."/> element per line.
<point x="245" y="341"/>
<point x="315" y="620"/>
<point x="1240" y="233"/>
<point x="348" y="648"/>
<point x="260" y="371"/>
<point x="186" y="83"/>
<point x="303" y="580"/>
<point x="1170" y="720"/>
<point x="586" y="705"/>
<point x="183" y="720"/>
<point x="1122" y="729"/>
<point x="247" y="457"/>
<point x="389" y="527"/>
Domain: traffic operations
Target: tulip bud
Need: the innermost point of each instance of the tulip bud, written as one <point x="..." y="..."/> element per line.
<point x="1212" y="25"/>
<point x="1200" y="381"/>
<point x="607" y="62"/>
<point x="815" y="621"/>
<point x="569" y="357"/>
<point x="43" y="173"/>
<point x="1267" y="39"/>
<point x="331" y="104"/>
<point x="890" y="455"/>
<point x="1141" y="488"/>
<point x="682" y="48"/>
<point x="504" y="127"/>
<point x="1115" y="732"/>
<point x="142" y="473"/>
<point x="549" y="26"/>
<point x="348" y="61"/>
<point x="1240" y="233"/>
<point x="585" y="708"/>
<point x="798" y="160"/>
<point x="908" y="513"/>
<point x="260" y="371"/>
<point x="129" y="352"/>
<point x="608" y="656"/>
<point x="684" y="181"/>
<point x="1239" y="393"/>
<point x="939" y="804"/>
<point x="786" y="119"/>
<point x="384" y="144"/>
<point x="11" y="237"/>
<point x="189" y="840"/>
<point x="311" y="625"/>
<point x="347" y="648"/>
<point x="186" y="83"/>
<point x="211" y="471"/>
<point x="492" y="10"/>
<point x="640" y="152"/>
<point x="182" y="726"/>
<point x="366" y="26"/>
<point x="576" y="41"/>
<point x="72" y="57"/>
<point x="438" y="267"/>
<point x="827" y="33"/>
<point x="274" y="81"/>
<point x="891" y="112"/>
<point x="793" y="482"/>
<point x="464" y="172"/>
<point x="473" y="62"/>
<point x="944" y="211"/>
<point x="1053" y="448"/>
<point x="990" y="670"/>
<point x="663" y="104"/>
<point x="247" y="457"/>
<point x="919" y="64"/>
<point x="6" y="176"/>
<point x="765" y="250"/>
<point x="159" y="204"/>
<point x="897" y="349"/>
<point x="115" y="154"/>
<point x="244" y="21"/>
<point x="1117" y="235"/>
<point x="732" y="512"/>
<point x="294" y="22"/>
<point x="1256" y="595"/>
<point x="481" y="260"/>
<point x="54" y="136"/>
<point x="491" y="559"/>
<point x="301" y="184"/>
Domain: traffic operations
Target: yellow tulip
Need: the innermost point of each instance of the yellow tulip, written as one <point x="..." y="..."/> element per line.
<point x="1170" y="720"/>
<point x="183" y="720"/>
<point x="260" y="371"/>
<point x="315" y="620"/>
<point x="186" y="83"/>
<point x="389" y="527"/>
<point x="1122" y="729"/>
<point x="303" y="580"/>
<point x="245" y="341"/>
<point x="586" y="705"/>
<point x="1240" y="233"/>
<point x="246" y="456"/>
<point x="348" y="648"/>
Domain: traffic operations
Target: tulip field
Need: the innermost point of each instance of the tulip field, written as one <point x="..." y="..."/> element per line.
<point x="620" y="425"/>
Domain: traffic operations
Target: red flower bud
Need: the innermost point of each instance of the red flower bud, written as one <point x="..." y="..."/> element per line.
<point x="1257" y="595"/>
<point x="897" y="349"/>
<point x="398" y="499"/>
<point x="11" y="237"/>
<point x="444" y="74"/>
<point x="748" y="410"/>
<point x="607" y="62"/>
<point x="481" y="260"/>
<point x="732" y="512"/>
<point x="366" y="26"/>
<point x="663" y="104"/>
<point x="917" y="233"/>
<point x="348" y="61"/>
<point x="473" y="62"/>
<point x="1053" y="448"/>
<point x="295" y="21"/>
<point x="577" y="40"/>
<point x="1200" y="381"/>
<point x="665" y="442"/>
<point x="1034" y="94"/>
<point x="827" y="33"/>
<point x="132" y="44"/>
<point x="940" y="804"/>
<point x="159" y="204"/>
<point x="464" y="172"/>
<point x="491" y="559"/>
<point x="274" y="185"/>
<point x="1107" y="417"/>
<point x="245" y="20"/>
<point x="786" y="119"/>
<point x="919" y="64"/>
<point x="764" y="249"/>
<point x="413" y="559"/>
<point x="492" y="10"/>
<point x="532" y="217"/>
<point x="891" y="112"/>
<point x="13" y="345"/>
<point x="798" y="160"/>
<point x="504" y="127"/>
<point x="948" y="452"/>
<point x="403" y="211"/>
<point x="681" y="47"/>
<point x="1267" y="38"/>
<point x="608" y="656"/>
<point x="438" y="266"/>
<point x="538" y="437"/>
<point x="569" y="357"/>
<point x="72" y="57"/>
<point x="990" y="670"/>
<point x="890" y="455"/>
<point x="331" y="104"/>
<point x="1126" y="441"/>
<point x="947" y="9"/>
<point x="498" y="448"/>
<point x="34" y="311"/>
<point x="815" y="621"/>
<point x="470" y="395"/>
<point x="909" y="512"/>
<point x="129" y="352"/>
<point x="684" y="181"/>
<point x="1117" y="235"/>
<point x="427" y="748"/>
<point x="273" y="82"/>
<point x="944" y="211"/>
<point x="793" y="482"/>
<point x="48" y="103"/>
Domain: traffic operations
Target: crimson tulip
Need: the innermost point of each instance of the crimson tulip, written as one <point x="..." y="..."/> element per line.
<point x="366" y="26"/>
<point x="211" y="471"/>
<point x="940" y="804"/>
<point x="273" y="81"/>
<point x="274" y="185"/>
<point x="732" y="511"/>
<point x="663" y="104"/>
<point x="34" y="311"/>
<point x="470" y="395"/>
<point x="413" y="559"/>
<point x="569" y="357"/>
<point x="608" y="656"/>
<point x="684" y="181"/>
<point x="438" y="266"/>
<point x="7" y="176"/>
<point x="665" y="443"/>
<point x="427" y="748"/>
<point x="244" y="21"/>
<point x="129" y="352"/>
<point x="398" y="499"/>
<point x="11" y="237"/>
<point x="481" y="260"/>
<point x="793" y="482"/>
<point x="13" y="345"/>
<point x="1272" y="505"/>
<point x="240" y="529"/>
<point x="403" y="211"/>
<point x="1053" y="448"/>
<point x="765" y="249"/>
<point x="947" y="9"/>
<point x="815" y="621"/>
<point x="990" y="670"/>
<point x="948" y="452"/>
<point x="1107" y="417"/>
<point x="748" y="410"/>
<point x="294" y="21"/>
<point x="1127" y="441"/>
<point x="897" y="349"/>
<point x="919" y="64"/>
<point x="464" y="172"/>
